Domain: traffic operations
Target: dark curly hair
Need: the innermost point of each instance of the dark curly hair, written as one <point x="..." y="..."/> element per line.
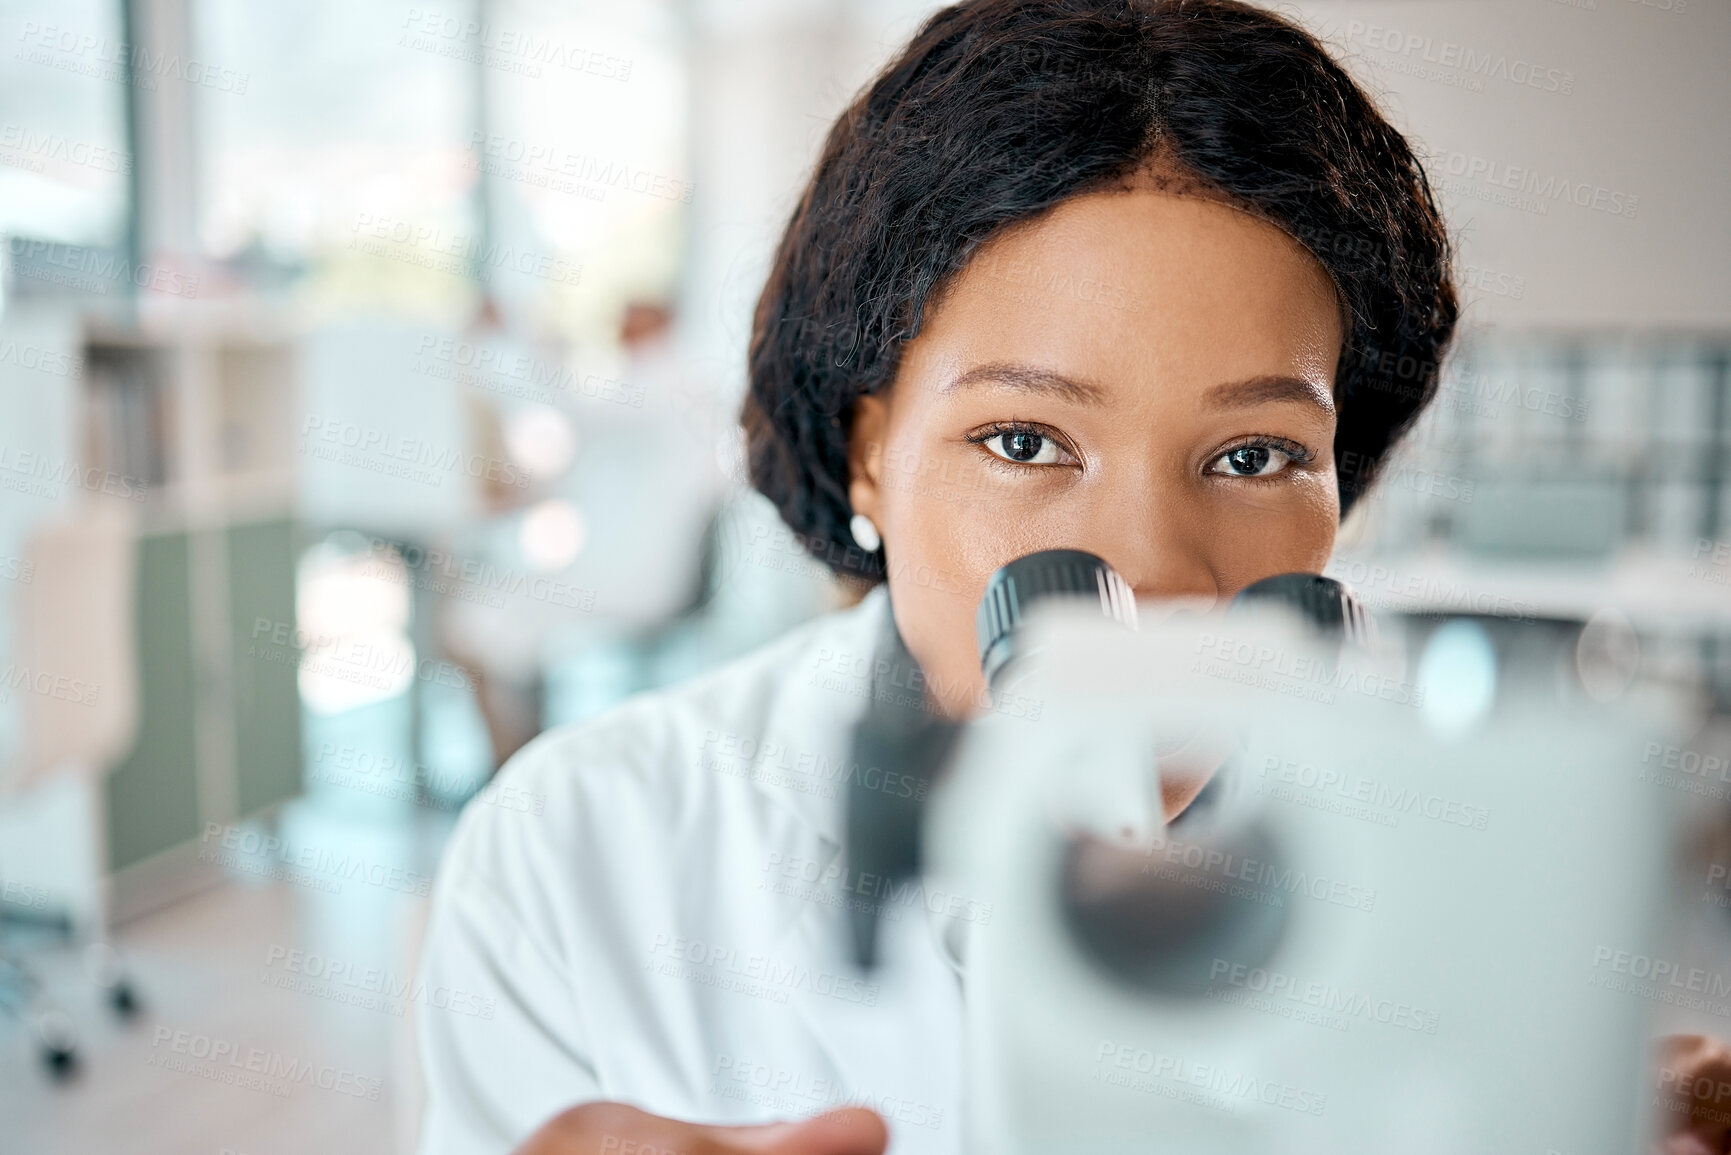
<point x="999" y="110"/>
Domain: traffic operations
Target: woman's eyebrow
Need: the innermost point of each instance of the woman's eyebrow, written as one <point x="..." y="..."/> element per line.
<point x="1030" y="379"/>
<point x="1258" y="390"/>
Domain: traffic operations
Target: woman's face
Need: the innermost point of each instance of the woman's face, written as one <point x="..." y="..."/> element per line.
<point x="1142" y="375"/>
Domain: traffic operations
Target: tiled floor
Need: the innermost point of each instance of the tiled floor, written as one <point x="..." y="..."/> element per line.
<point x="228" y="1006"/>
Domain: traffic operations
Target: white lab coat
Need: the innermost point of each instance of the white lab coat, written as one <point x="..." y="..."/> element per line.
<point x="650" y="907"/>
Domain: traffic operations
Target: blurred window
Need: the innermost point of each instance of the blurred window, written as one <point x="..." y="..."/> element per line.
<point x="403" y="155"/>
<point x="63" y="154"/>
<point x="347" y="156"/>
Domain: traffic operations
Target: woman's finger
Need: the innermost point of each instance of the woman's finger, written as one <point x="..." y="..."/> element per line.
<point x="1695" y="1094"/>
<point x="616" y="1129"/>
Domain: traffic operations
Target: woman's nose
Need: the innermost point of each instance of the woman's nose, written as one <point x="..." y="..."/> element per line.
<point x="1158" y="556"/>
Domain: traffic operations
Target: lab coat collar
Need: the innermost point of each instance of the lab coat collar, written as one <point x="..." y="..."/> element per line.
<point x="816" y="709"/>
<point x="866" y="1041"/>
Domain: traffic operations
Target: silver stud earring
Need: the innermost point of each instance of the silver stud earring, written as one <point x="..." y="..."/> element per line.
<point x="865" y="534"/>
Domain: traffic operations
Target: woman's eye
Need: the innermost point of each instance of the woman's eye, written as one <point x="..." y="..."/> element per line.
<point x="1025" y="447"/>
<point x="1251" y="461"/>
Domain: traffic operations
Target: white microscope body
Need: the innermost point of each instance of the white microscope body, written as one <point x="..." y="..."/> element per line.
<point x="1409" y="919"/>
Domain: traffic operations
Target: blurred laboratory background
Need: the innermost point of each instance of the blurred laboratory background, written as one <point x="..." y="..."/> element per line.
<point x="368" y="388"/>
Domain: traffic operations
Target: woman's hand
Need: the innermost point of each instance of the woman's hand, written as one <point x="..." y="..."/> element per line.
<point x="1694" y="1095"/>
<point x="615" y="1129"/>
<point x="1694" y="1085"/>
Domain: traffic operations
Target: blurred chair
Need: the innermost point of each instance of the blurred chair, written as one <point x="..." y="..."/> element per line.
<point x="74" y="686"/>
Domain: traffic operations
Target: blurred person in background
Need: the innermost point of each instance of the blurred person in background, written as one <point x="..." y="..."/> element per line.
<point x="603" y="547"/>
<point x="1092" y="274"/>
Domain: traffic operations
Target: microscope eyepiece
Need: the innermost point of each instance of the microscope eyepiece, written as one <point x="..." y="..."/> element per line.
<point x="1015" y="588"/>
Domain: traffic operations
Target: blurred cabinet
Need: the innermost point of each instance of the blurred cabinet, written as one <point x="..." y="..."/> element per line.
<point x="1567" y="448"/>
<point x="196" y="423"/>
<point x="217" y="739"/>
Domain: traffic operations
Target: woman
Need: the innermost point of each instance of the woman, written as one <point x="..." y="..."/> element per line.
<point x="1150" y="279"/>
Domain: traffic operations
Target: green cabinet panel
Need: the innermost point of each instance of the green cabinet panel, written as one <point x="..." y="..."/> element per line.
<point x="261" y="569"/>
<point x="153" y="795"/>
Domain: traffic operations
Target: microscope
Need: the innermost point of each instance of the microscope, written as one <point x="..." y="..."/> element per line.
<point x="1283" y="878"/>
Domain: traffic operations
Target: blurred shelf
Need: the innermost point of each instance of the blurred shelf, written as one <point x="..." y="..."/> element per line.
<point x="192" y="412"/>
<point x="1653" y="589"/>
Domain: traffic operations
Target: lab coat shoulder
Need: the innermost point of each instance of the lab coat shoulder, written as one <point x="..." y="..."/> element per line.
<point x="575" y="879"/>
<point x="656" y="798"/>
